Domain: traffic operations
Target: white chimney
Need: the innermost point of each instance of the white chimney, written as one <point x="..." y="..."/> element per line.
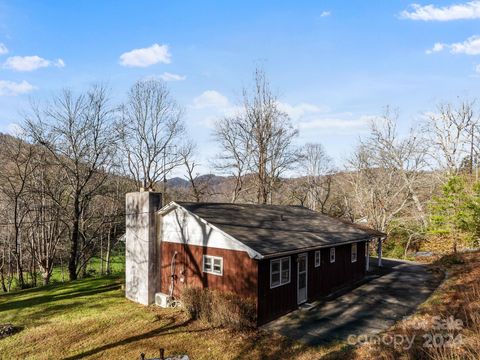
<point x="141" y="250"/>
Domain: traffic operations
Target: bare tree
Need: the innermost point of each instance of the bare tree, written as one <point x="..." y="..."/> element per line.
<point x="452" y="133"/>
<point x="19" y="164"/>
<point x="272" y="134"/>
<point x="387" y="175"/>
<point x="406" y="156"/>
<point x="78" y="133"/>
<point x="376" y="195"/>
<point x="48" y="222"/>
<point x="236" y="153"/>
<point x="151" y="125"/>
<point x="259" y="140"/>
<point x="317" y="169"/>
<point x="199" y="187"/>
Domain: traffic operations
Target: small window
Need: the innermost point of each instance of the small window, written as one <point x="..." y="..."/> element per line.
<point x="317" y="258"/>
<point x="213" y="265"/>
<point x="279" y="272"/>
<point x="332" y="255"/>
<point x="354" y="253"/>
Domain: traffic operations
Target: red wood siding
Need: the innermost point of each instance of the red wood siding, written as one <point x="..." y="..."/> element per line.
<point x="277" y="301"/>
<point x="321" y="280"/>
<point x="239" y="270"/>
<point x="328" y="276"/>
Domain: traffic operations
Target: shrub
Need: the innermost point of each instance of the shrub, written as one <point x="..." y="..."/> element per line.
<point x="232" y="311"/>
<point x="219" y="309"/>
<point x="197" y="302"/>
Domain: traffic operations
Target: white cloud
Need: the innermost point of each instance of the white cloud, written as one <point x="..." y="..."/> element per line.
<point x="300" y="110"/>
<point x="337" y="125"/>
<point x="477" y="69"/>
<point x="3" y="49"/>
<point x="471" y="46"/>
<point x="211" y="99"/>
<point x="30" y="63"/>
<point x="146" y="56"/>
<point x="11" y="88"/>
<point x="166" y="76"/>
<point x="436" y="48"/>
<point x="469" y="10"/>
<point x="325" y="13"/>
<point x="14" y="129"/>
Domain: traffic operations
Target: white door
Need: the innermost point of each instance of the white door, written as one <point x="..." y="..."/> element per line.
<point x="302" y="278"/>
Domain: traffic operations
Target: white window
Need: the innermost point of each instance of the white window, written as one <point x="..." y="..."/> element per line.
<point x="279" y="272"/>
<point x="213" y="265"/>
<point x="354" y="253"/>
<point x="317" y="258"/>
<point x="332" y="255"/>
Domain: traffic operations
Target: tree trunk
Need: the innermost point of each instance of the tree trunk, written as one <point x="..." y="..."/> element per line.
<point x="72" y="262"/>
<point x="107" y="255"/>
<point x="18" y="257"/>
<point x="46" y="277"/>
<point x="101" y="254"/>
<point x="2" y="280"/>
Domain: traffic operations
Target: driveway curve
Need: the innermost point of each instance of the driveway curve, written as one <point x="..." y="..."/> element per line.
<point x="389" y="294"/>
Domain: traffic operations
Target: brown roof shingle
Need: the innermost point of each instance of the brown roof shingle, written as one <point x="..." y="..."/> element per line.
<point x="273" y="229"/>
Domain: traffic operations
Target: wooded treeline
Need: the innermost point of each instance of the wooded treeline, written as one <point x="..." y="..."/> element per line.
<point x="64" y="177"/>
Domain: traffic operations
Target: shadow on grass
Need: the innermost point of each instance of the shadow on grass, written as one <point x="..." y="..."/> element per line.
<point x="261" y="343"/>
<point x="163" y="330"/>
<point x="69" y="293"/>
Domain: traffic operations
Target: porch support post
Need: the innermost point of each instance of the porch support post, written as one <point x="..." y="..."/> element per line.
<point x="379" y="252"/>
<point x="367" y="254"/>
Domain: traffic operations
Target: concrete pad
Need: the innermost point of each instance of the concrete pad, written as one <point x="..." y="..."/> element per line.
<point x="369" y="308"/>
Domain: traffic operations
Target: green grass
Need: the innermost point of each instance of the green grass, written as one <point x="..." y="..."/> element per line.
<point x="91" y="319"/>
<point x="117" y="267"/>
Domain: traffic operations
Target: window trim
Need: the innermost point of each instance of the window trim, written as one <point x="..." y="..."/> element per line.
<point x="319" y="258"/>
<point x="354" y="246"/>
<point x="212" y="271"/>
<point x="280" y="271"/>
<point x="332" y="252"/>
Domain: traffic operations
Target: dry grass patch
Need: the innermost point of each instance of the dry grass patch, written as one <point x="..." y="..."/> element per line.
<point x="455" y="305"/>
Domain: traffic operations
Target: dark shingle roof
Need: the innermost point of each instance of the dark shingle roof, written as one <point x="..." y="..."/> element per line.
<point x="272" y="229"/>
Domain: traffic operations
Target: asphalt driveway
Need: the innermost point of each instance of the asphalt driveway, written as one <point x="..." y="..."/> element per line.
<point x="388" y="295"/>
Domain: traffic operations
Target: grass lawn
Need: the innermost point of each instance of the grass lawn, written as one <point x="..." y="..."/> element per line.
<point x="91" y="319"/>
<point x="117" y="266"/>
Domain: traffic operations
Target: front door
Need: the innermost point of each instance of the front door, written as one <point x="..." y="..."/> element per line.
<point x="302" y="278"/>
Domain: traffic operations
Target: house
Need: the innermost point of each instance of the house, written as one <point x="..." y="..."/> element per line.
<point x="280" y="256"/>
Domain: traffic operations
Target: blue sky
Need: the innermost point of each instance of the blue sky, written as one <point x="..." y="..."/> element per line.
<point x="335" y="64"/>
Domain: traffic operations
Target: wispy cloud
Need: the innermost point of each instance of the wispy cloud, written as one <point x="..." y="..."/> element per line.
<point x="298" y="111"/>
<point x="325" y="13"/>
<point x="332" y="124"/>
<point x="166" y="76"/>
<point x="477" y="69"/>
<point x="471" y="46"/>
<point x="14" y="129"/>
<point x="30" y="63"/>
<point x="468" y="10"/>
<point x="211" y="99"/>
<point x="145" y="57"/>
<point x="11" y="88"/>
<point x="436" y="48"/>
<point x="3" y="49"/>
